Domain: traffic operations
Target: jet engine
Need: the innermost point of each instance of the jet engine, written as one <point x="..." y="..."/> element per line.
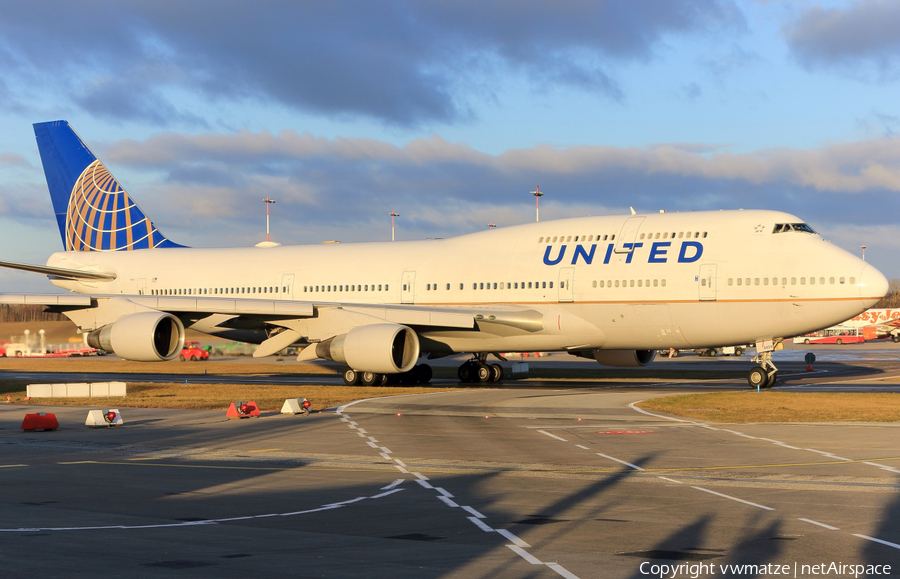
<point x="381" y="348"/>
<point x="142" y="337"/>
<point x="624" y="358"/>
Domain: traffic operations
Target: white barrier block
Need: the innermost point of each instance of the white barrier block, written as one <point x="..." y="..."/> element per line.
<point x="39" y="390"/>
<point x="78" y="390"/>
<point x="117" y="388"/>
<point x="100" y="389"/>
<point x="58" y="390"/>
<point x="95" y="419"/>
<point x="294" y="406"/>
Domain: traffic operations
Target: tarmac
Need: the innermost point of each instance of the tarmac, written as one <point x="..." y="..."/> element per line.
<point x="542" y="481"/>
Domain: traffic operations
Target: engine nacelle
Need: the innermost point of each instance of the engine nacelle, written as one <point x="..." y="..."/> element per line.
<point x="381" y="348"/>
<point x="142" y="337"/>
<point x="624" y="358"/>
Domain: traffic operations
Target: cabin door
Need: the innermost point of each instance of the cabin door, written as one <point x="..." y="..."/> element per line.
<point x="707" y="282"/>
<point x="625" y="240"/>
<point x="408" y="288"/>
<point x="287" y="286"/>
<point x="566" y="276"/>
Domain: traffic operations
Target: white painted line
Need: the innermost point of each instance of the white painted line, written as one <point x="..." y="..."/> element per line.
<point x="448" y="501"/>
<point x="708" y="427"/>
<point x="882" y="466"/>
<point x="562" y="571"/>
<point x="552" y="435"/>
<point x="424" y="483"/>
<point x="372" y="438"/>
<point x="787" y="446"/>
<point x="477" y="522"/>
<point x="354" y="423"/>
<point x="812" y="522"/>
<point x="400" y="462"/>
<point x="363" y="430"/>
<point x="443" y="492"/>
<point x="642" y="411"/>
<point x="516" y="540"/>
<point x="387" y="450"/>
<point x="671" y="480"/>
<point x="397" y="482"/>
<point x="372" y="444"/>
<point x="525" y="555"/>
<point x="888" y="543"/>
<point x="634" y="466"/>
<point x="474" y="512"/>
<point x="584" y="447"/>
<point x="420" y="476"/>
<point x="361" y="434"/>
<point x="344" y="419"/>
<point x="347" y="502"/>
<point x="734" y="499"/>
<point x="378" y="496"/>
<point x="401" y="469"/>
<point x="385" y="456"/>
<point x="11" y="465"/>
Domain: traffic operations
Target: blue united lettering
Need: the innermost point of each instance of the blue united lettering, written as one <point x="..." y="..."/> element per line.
<point x="689" y="252"/>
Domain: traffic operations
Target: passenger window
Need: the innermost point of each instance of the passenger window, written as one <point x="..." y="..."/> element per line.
<point x="831" y="280"/>
<point x="822" y="281"/>
<point x="812" y="281"/>
<point x="702" y="282"/>
<point x="529" y="285"/>
<point x="756" y="281"/>
<point x="793" y="281"/>
<point x="740" y="281"/>
<point x="655" y="283"/>
<point x="540" y="239"/>
<point x="545" y="285"/>
<point x="448" y="286"/>
<point x="765" y="281"/>
<point x="842" y="280"/>
<point x="632" y="283"/>
<point x="617" y="283"/>
<point x="642" y="236"/>
<point x="731" y="281"/>
<point x="595" y="283"/>
<point x="852" y="281"/>
<point x="640" y="283"/>
<point x="663" y="283"/>
<point x="802" y="281"/>
<point x="495" y="285"/>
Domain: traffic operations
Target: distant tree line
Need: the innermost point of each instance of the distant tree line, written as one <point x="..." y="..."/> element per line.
<point x="892" y="299"/>
<point x="33" y="313"/>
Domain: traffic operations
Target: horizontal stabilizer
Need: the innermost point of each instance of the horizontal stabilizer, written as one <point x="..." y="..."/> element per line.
<point x="60" y="271"/>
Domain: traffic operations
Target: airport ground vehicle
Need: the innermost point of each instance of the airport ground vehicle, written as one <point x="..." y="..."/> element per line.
<point x="837" y="335"/>
<point x="193" y="352"/>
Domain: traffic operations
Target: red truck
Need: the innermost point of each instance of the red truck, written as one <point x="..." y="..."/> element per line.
<point x="193" y="352"/>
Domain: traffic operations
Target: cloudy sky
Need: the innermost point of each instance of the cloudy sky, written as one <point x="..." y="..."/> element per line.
<point x="451" y="112"/>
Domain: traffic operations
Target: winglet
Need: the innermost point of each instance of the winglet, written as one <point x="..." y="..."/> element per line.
<point x="92" y="210"/>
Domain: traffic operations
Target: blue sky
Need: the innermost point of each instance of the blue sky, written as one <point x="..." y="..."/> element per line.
<point x="451" y="113"/>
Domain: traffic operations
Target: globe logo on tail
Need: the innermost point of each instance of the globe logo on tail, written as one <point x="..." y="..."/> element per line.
<point x="102" y="217"/>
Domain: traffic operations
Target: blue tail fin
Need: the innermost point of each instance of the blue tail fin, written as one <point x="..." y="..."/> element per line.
<point x="94" y="213"/>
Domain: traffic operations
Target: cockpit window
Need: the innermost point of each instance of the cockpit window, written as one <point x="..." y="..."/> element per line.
<point x="785" y="227"/>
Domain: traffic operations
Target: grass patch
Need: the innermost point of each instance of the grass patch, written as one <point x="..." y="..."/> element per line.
<point x="781" y="406"/>
<point x="101" y="365"/>
<point x="219" y="396"/>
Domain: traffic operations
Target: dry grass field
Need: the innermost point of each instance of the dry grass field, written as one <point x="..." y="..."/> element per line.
<point x="751" y="406"/>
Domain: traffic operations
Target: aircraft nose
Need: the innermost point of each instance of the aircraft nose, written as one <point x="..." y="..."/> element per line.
<point x="872" y="284"/>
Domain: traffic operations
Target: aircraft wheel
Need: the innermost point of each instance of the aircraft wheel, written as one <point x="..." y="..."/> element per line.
<point x="895" y="339"/>
<point x="351" y="377"/>
<point x="369" y="378"/>
<point x="806" y="341"/>
<point x="182" y="358"/>
<point x="466" y="373"/>
<point x="193" y="358"/>
<point x="484" y="373"/>
<point x="382" y="379"/>
<point x="496" y="372"/>
<point x="770" y="381"/>
<point x="839" y="341"/>
<point x="423" y="373"/>
<point x="758" y="377"/>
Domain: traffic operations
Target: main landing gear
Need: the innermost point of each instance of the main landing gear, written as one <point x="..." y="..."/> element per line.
<point x="478" y="370"/>
<point x="420" y="374"/>
<point x="765" y="373"/>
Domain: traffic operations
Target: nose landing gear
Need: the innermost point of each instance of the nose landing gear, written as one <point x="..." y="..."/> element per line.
<point x="765" y="373"/>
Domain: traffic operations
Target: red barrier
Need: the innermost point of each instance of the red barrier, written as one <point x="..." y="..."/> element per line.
<point x="40" y="421"/>
<point x="247" y="409"/>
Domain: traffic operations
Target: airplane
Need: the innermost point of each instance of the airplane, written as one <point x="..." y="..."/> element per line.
<point x="612" y="288"/>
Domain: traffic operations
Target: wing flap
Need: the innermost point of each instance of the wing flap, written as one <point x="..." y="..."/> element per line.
<point x="74" y="300"/>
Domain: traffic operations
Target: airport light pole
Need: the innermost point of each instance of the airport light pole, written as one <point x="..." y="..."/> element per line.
<point x="864" y="251"/>
<point x="393" y="214"/>
<point x="537" y="202"/>
<point x="268" y="202"/>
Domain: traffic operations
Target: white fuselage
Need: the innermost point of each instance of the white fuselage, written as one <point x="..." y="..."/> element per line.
<point x="677" y="280"/>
